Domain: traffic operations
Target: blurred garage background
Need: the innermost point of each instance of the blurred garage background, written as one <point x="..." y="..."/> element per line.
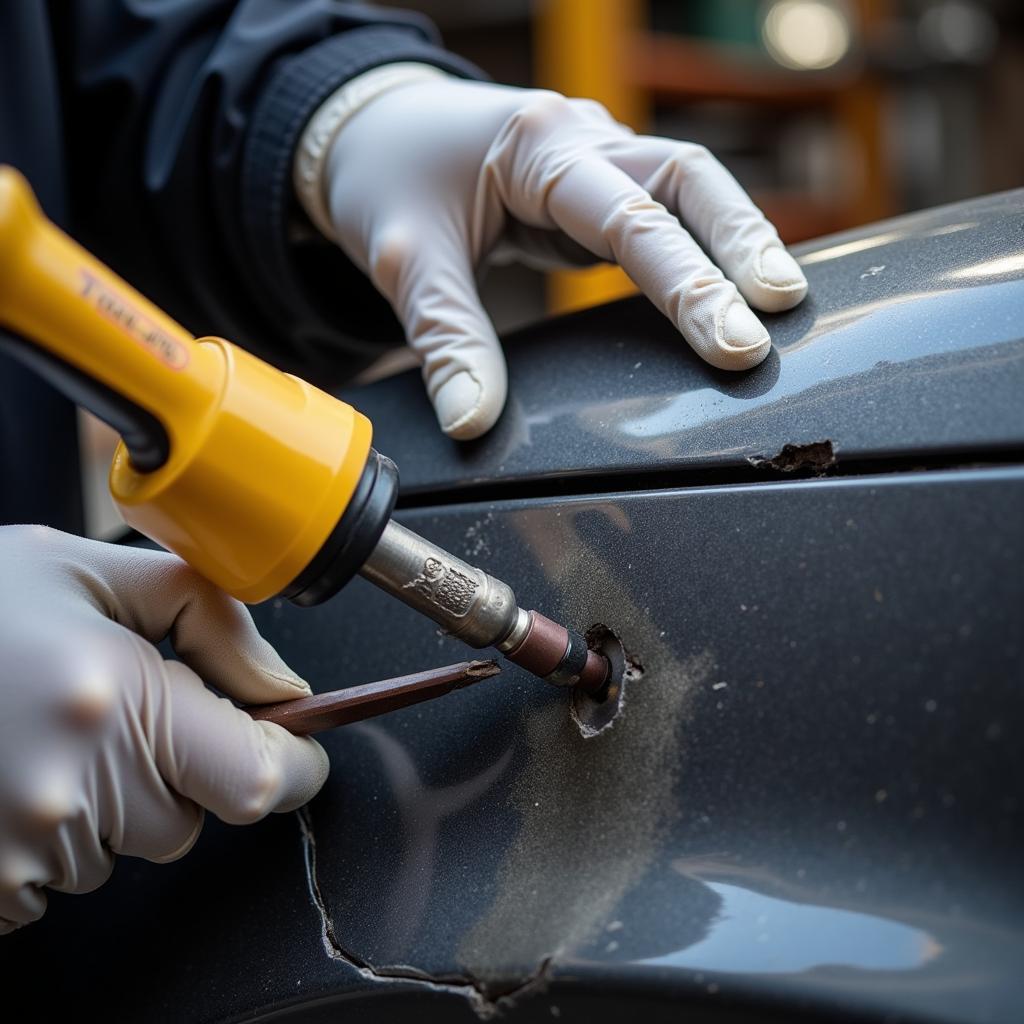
<point x="832" y="113"/>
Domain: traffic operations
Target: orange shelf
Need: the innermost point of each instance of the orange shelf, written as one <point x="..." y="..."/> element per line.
<point x="682" y="68"/>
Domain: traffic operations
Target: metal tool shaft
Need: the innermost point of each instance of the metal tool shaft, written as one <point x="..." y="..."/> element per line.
<point x="464" y="600"/>
<point x="479" y="609"/>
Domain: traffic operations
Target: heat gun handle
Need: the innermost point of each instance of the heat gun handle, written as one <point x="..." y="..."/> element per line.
<point x="92" y="335"/>
<point x="245" y="472"/>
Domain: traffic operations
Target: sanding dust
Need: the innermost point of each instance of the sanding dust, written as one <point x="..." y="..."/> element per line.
<point x="474" y="540"/>
<point x="593" y="811"/>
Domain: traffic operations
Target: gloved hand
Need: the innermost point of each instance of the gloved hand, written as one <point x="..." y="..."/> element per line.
<point x="428" y="176"/>
<point x="107" y="748"/>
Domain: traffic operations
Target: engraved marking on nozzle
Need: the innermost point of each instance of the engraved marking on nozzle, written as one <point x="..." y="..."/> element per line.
<point x="462" y="599"/>
<point x="445" y="586"/>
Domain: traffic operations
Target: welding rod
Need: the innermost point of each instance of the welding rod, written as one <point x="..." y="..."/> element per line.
<point x="306" y="715"/>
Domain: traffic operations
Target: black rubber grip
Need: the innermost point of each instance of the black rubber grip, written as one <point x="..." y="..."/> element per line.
<point x="354" y="536"/>
<point x="143" y="434"/>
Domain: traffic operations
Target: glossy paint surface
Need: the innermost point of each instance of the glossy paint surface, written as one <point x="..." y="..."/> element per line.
<point x="911" y="341"/>
<point x="810" y="805"/>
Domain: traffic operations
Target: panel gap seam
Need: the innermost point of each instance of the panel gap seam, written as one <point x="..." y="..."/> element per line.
<point x="757" y="470"/>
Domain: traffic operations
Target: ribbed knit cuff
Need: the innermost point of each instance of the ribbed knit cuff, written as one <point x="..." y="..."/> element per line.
<point x="330" y="117"/>
<point x="291" y="96"/>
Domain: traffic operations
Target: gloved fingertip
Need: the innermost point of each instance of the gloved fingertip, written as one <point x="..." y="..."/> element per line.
<point x="779" y="283"/>
<point x="461" y="407"/>
<point x="296" y="682"/>
<point x="742" y="341"/>
<point x="290" y="773"/>
<point x="252" y="681"/>
<point x="190" y="840"/>
<point x="267" y="676"/>
<point x="308" y="771"/>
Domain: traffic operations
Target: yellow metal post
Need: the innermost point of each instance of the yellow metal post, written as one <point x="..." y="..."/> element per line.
<point x="580" y="48"/>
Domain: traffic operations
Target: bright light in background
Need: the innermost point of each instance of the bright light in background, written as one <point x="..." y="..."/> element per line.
<point x="808" y="35"/>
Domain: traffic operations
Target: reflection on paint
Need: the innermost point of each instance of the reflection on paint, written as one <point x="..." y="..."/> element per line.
<point x="891" y="330"/>
<point x="423" y="809"/>
<point x="882" y="238"/>
<point x="999" y="267"/>
<point x="759" y="934"/>
<point x="949" y="229"/>
<point x="833" y="252"/>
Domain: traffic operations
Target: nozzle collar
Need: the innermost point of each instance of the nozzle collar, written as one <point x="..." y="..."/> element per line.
<point x="353" y="539"/>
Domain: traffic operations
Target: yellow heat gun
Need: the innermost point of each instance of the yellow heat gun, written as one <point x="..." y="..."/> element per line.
<point x="263" y="483"/>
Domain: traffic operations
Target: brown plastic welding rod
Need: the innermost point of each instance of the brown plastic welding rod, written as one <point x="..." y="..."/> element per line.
<point x="342" y="707"/>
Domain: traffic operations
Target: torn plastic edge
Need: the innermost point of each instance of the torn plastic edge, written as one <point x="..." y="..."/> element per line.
<point x="591" y="715"/>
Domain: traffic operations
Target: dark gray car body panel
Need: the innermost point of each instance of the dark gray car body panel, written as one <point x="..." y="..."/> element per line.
<point x="910" y="341"/>
<point x="810" y="805"/>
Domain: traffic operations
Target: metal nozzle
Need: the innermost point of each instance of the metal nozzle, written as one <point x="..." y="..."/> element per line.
<point x="463" y="600"/>
<point x="478" y="609"/>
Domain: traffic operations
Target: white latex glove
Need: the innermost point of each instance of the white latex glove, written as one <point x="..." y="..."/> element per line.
<point x="428" y="176"/>
<point x="107" y="748"/>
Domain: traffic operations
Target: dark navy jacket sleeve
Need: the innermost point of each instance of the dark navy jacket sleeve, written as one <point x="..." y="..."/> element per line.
<point x="181" y="118"/>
